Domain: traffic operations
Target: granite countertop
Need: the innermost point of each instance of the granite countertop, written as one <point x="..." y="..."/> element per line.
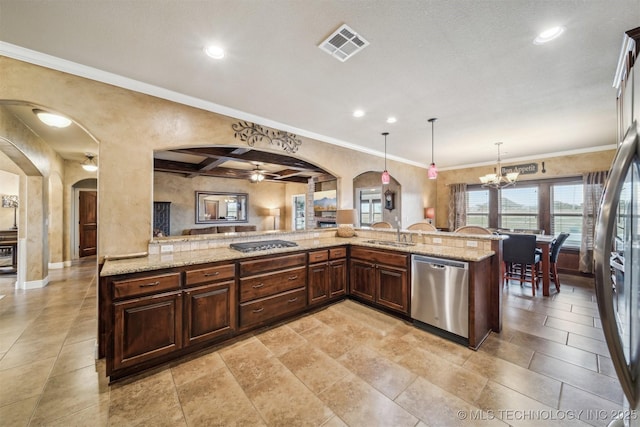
<point x="204" y="256"/>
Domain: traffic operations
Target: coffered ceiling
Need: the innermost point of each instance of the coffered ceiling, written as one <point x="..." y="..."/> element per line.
<point x="472" y="64"/>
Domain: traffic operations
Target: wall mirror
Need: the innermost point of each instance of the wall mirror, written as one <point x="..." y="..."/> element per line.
<point x="220" y="208"/>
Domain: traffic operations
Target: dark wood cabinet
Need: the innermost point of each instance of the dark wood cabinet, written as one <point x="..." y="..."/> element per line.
<point x="209" y="303"/>
<point x="272" y="287"/>
<point x="327" y="275"/>
<point x="146" y="328"/>
<point x="380" y="277"/>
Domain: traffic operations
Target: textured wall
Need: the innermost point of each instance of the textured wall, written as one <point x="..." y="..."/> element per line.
<point x="556" y="167"/>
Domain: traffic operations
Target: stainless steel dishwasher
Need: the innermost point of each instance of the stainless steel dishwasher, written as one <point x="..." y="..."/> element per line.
<point x="440" y="293"/>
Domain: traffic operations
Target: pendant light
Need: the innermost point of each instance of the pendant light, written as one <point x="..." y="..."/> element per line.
<point x="386" y="178"/>
<point x="432" y="172"/>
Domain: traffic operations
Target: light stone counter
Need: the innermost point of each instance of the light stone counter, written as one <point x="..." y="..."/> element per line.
<point x="203" y="256"/>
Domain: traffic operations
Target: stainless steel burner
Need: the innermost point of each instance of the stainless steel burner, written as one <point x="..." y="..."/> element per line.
<point x="262" y="245"/>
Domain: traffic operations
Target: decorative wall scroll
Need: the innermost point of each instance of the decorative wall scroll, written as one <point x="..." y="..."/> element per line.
<point x="252" y="133"/>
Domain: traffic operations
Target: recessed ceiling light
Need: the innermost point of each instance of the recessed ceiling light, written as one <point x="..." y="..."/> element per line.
<point x="50" y="119"/>
<point x="548" y="35"/>
<point x="215" y="52"/>
<point x="391" y="120"/>
<point x="358" y="113"/>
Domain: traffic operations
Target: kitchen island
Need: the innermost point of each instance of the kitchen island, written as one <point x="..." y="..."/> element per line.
<point x="161" y="306"/>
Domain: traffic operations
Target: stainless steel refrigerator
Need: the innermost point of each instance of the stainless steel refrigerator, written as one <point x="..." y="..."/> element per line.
<point x="617" y="237"/>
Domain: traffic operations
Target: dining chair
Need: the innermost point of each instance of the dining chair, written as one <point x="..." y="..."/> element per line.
<point x="556" y="245"/>
<point x="381" y="224"/>
<point x="472" y="229"/>
<point x="521" y="259"/>
<point x="422" y="226"/>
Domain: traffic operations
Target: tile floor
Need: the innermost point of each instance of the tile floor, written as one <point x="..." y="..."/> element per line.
<point x="343" y="365"/>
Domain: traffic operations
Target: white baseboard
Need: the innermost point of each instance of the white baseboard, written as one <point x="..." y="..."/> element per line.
<point x="67" y="263"/>
<point x="56" y="265"/>
<point x="35" y="284"/>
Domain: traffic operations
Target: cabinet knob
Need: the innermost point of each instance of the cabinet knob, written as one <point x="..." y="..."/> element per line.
<point x="293" y="299"/>
<point x="258" y="310"/>
<point x="259" y="285"/>
<point x="215" y="273"/>
<point x="293" y="277"/>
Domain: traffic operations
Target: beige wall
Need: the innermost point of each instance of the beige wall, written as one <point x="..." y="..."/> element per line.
<point x="180" y="191"/>
<point x="130" y="125"/>
<point x="556" y="167"/>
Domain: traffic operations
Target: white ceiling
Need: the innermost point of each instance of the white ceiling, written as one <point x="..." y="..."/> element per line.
<point x="471" y="63"/>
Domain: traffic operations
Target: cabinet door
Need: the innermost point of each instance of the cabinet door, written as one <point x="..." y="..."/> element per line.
<point x="363" y="277"/>
<point x="146" y="328"/>
<point x="210" y="312"/>
<point x="337" y="278"/>
<point x="392" y="288"/>
<point x="317" y="283"/>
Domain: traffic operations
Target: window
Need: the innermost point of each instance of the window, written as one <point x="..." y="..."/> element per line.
<point x="566" y="211"/>
<point x="518" y="208"/>
<point x="370" y="206"/>
<point x="478" y="207"/>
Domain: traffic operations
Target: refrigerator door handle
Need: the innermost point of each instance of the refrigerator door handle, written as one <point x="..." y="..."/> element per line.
<point x="602" y="251"/>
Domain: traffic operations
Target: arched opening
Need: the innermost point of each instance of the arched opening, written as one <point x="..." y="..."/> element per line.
<point x="282" y="192"/>
<point x="47" y="159"/>
<point x="375" y="202"/>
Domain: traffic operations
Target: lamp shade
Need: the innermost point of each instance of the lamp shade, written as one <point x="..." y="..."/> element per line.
<point x="346" y="216"/>
<point x="432" y="172"/>
<point x="386" y="178"/>
<point x="429" y="213"/>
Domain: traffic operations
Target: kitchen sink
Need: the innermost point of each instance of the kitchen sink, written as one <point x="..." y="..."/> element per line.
<point x="390" y="243"/>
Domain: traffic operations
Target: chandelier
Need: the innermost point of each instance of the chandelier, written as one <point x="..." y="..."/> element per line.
<point x="497" y="179"/>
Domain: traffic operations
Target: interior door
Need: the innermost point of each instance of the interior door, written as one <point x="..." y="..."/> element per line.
<point x="87" y="223"/>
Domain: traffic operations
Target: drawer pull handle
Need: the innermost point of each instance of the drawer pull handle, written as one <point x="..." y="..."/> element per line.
<point x="293" y="277"/>
<point x="215" y="273"/>
<point x="259" y="285"/>
<point x="293" y="299"/>
<point x="147" y="285"/>
<point x="258" y="310"/>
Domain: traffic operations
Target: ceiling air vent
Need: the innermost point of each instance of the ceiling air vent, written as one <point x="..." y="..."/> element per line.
<point x="343" y="43"/>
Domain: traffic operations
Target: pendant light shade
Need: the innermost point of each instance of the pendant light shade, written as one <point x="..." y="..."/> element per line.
<point x="386" y="178"/>
<point x="89" y="163"/>
<point x="432" y="172"/>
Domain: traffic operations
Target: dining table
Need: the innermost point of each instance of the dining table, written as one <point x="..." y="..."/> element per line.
<point x="543" y="242"/>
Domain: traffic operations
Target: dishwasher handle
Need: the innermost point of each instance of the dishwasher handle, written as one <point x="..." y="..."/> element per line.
<point x="440" y="262"/>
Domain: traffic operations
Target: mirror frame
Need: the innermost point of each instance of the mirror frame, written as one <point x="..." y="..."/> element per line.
<point x="200" y="196"/>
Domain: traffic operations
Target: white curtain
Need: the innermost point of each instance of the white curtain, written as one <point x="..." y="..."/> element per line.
<point x="457" y="206"/>
<point x="593" y="186"/>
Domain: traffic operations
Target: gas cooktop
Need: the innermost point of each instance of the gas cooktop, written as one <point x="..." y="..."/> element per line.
<point x="262" y="245"/>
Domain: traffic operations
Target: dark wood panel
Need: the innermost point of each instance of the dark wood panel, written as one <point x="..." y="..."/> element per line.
<point x="318" y="256"/>
<point x="262" y="265"/>
<point x="88" y="222"/>
<point x="263" y="310"/>
<point x="479" y="302"/>
<point x="271" y="283"/>
<point x="146" y="285"/>
<point x="337" y="278"/>
<point x="363" y="279"/>
<point x="336" y="253"/>
<point x="392" y="291"/>
<point x="380" y="257"/>
<point x="210" y="311"/>
<point x="210" y="274"/>
<point x="147" y="328"/>
<point x="318" y="282"/>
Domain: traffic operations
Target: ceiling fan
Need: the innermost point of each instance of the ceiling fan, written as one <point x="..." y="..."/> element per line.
<point x="257" y="174"/>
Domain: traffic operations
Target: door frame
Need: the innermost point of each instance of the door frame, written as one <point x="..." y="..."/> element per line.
<point x="75" y="226"/>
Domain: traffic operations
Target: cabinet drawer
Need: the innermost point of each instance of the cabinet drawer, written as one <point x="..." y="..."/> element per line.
<point x="261" y="310"/>
<point x="380" y="257"/>
<point x="248" y="268"/>
<point x="336" y="253"/>
<point x="318" y="256"/>
<point x="271" y="283"/>
<point x="210" y="274"/>
<point x="146" y="285"/>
